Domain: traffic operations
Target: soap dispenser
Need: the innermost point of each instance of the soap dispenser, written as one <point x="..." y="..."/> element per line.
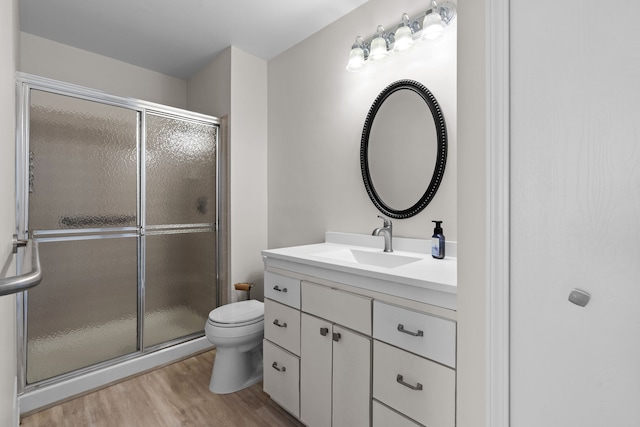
<point x="437" y="241"/>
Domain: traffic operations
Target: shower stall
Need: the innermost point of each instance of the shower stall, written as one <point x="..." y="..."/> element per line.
<point x="122" y="197"/>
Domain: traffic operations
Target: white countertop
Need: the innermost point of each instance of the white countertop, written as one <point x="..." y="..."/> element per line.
<point x="425" y="278"/>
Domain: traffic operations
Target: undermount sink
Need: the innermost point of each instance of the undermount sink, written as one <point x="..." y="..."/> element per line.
<point x="378" y="259"/>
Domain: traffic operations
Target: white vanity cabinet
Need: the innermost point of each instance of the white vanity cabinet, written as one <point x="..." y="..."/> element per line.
<point x="413" y="365"/>
<point x="335" y="366"/>
<point x="281" y="345"/>
<point x="355" y="342"/>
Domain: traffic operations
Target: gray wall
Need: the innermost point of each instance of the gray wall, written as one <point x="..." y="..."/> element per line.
<point x="57" y="61"/>
<point x="316" y="113"/>
<point x="234" y="84"/>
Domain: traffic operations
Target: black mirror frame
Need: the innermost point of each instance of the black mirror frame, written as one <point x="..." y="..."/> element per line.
<point x="441" y="155"/>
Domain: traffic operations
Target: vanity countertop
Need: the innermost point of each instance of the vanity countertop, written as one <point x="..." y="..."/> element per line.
<point x="409" y="271"/>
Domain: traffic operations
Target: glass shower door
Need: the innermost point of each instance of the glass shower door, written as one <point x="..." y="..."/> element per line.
<point x="122" y="198"/>
<point x="82" y="209"/>
<point x="179" y="227"/>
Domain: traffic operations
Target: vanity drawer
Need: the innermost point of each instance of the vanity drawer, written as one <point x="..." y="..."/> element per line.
<point x="281" y="378"/>
<point x="282" y="289"/>
<point x="282" y="325"/>
<point x="420" y="333"/>
<point x="344" y="308"/>
<point x="396" y="375"/>
<point x="385" y="417"/>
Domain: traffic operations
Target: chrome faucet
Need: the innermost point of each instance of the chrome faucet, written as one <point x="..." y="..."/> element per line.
<point x="387" y="232"/>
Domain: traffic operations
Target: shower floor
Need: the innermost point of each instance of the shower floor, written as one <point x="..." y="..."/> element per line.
<point x="78" y="348"/>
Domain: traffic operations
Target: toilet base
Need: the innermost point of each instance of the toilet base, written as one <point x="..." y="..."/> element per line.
<point x="234" y="370"/>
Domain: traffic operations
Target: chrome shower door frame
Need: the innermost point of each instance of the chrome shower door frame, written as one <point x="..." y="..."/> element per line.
<point x="24" y="84"/>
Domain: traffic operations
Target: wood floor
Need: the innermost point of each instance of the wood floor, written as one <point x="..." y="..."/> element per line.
<point x="176" y="395"/>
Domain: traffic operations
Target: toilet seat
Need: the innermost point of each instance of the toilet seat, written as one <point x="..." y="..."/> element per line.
<point x="237" y="314"/>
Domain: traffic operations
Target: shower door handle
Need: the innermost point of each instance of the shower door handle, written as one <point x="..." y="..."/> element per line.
<point x="22" y="282"/>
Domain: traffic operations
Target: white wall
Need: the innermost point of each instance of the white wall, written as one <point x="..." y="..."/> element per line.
<point x="316" y="113"/>
<point x="57" y="61"/>
<point x="575" y="204"/>
<point x="235" y="84"/>
<point x="472" y="212"/>
<point x="9" y="37"/>
<point x="209" y="90"/>
<point x="248" y="168"/>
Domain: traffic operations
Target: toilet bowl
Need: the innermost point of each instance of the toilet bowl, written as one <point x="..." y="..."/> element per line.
<point x="236" y="330"/>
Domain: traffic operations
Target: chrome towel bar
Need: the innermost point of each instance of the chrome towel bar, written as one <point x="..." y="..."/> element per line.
<point x="22" y="282"/>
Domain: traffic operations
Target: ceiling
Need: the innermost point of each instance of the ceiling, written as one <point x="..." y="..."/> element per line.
<point x="179" y="37"/>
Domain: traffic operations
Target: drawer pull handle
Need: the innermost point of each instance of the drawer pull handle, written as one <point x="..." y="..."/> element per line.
<point x="277" y="288"/>
<point x="279" y="325"/>
<point x="336" y="336"/>
<point x="324" y="331"/>
<point x="418" y="386"/>
<point x="413" y="334"/>
<point x="275" y="366"/>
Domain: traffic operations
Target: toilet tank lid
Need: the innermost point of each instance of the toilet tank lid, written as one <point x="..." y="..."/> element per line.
<point x="238" y="312"/>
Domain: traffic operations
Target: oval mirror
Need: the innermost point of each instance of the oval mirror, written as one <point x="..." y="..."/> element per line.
<point x="403" y="151"/>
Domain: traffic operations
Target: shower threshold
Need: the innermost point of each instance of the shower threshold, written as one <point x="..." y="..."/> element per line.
<point x="39" y="397"/>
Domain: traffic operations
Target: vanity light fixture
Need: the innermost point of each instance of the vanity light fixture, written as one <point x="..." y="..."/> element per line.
<point x="401" y="38"/>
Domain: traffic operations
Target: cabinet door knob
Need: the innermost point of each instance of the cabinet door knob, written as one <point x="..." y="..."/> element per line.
<point x="399" y="379"/>
<point x="275" y="366"/>
<point x="277" y="288"/>
<point x="324" y="331"/>
<point x="279" y="325"/>
<point x="413" y="334"/>
<point x="336" y="336"/>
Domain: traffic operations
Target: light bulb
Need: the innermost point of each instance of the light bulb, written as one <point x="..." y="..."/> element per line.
<point x="404" y="40"/>
<point x="432" y="26"/>
<point x="379" y="51"/>
<point x="356" y="59"/>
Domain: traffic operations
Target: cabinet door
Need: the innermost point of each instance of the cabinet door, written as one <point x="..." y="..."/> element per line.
<point x="315" y="371"/>
<point x="351" y="378"/>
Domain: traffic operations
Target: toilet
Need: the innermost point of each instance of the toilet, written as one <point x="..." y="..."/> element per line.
<point x="236" y="330"/>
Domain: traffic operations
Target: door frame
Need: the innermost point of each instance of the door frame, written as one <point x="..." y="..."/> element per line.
<point x="498" y="200"/>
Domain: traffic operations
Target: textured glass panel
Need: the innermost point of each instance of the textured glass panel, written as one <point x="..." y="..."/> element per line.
<point x="85" y="309"/>
<point x="84" y="163"/>
<point x="180" y="171"/>
<point x="179" y="285"/>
